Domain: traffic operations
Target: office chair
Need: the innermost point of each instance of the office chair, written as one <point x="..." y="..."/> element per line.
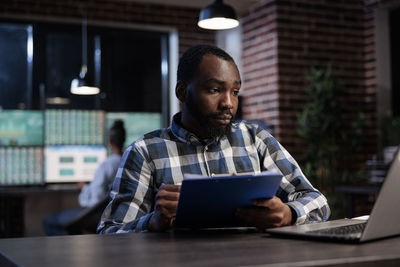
<point x="87" y="221"/>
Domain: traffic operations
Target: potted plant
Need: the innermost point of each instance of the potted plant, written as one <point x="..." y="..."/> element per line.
<point x="331" y="141"/>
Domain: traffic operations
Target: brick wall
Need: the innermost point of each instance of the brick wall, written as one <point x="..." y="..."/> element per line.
<point x="115" y="11"/>
<point x="260" y="63"/>
<point x="316" y="33"/>
<point x="282" y="39"/>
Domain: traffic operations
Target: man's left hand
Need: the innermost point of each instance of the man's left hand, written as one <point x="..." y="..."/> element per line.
<point x="80" y="185"/>
<point x="266" y="213"/>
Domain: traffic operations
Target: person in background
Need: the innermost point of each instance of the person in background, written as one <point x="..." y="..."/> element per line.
<point x="204" y="139"/>
<point x="98" y="189"/>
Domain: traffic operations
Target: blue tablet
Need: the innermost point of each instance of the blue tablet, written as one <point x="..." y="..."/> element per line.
<point x="210" y="202"/>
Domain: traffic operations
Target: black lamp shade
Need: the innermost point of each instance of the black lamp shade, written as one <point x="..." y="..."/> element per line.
<point x="80" y="85"/>
<point x="218" y="16"/>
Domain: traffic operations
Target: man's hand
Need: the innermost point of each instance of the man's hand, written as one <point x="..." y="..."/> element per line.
<point x="266" y="213"/>
<point x="165" y="208"/>
<point x="80" y="185"/>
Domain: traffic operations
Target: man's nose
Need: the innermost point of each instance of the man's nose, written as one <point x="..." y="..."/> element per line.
<point x="226" y="101"/>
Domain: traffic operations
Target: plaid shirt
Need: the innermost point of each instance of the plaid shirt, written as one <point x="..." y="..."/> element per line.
<point x="165" y="155"/>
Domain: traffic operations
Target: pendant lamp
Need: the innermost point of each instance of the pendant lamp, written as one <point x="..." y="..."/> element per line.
<point x="81" y="85"/>
<point x="218" y="16"/>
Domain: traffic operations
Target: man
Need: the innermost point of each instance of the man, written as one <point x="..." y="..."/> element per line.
<point x="97" y="190"/>
<point x="203" y="139"/>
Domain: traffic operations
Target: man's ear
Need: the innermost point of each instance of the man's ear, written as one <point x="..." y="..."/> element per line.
<point x="180" y="91"/>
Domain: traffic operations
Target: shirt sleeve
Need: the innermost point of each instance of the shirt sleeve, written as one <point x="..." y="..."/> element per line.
<point x="308" y="203"/>
<point x="95" y="191"/>
<point x="131" y="196"/>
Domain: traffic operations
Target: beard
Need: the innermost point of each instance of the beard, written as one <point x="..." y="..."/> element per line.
<point x="204" y="120"/>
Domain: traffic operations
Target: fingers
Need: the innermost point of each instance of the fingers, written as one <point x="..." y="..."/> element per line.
<point x="266" y="213"/>
<point x="172" y="196"/>
<point x="165" y="207"/>
<point x="168" y="208"/>
<point x="170" y="187"/>
<point x="260" y="217"/>
<point x="269" y="203"/>
<point x="167" y="200"/>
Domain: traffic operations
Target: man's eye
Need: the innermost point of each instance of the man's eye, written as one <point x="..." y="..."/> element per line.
<point x="235" y="92"/>
<point x="213" y="90"/>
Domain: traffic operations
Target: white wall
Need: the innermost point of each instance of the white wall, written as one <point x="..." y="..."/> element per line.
<point x="231" y="42"/>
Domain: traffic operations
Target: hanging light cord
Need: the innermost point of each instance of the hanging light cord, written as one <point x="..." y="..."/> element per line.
<point x="84" y="44"/>
<point x="81" y="86"/>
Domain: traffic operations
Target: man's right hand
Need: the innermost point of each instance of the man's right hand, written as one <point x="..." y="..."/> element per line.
<point x="165" y="208"/>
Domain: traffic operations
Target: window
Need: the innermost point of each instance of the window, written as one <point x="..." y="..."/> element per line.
<point x="124" y="63"/>
<point x="131" y="70"/>
<point x="15" y="66"/>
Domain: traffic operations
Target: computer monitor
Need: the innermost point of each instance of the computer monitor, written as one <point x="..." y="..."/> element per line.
<point x="74" y="127"/>
<point x="65" y="164"/>
<point x="136" y="123"/>
<point x="21" y="128"/>
<point x="21" y="166"/>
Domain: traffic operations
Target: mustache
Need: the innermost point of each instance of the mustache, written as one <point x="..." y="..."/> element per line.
<point x="221" y="113"/>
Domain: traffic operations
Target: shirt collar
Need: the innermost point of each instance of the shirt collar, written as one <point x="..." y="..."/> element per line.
<point x="186" y="136"/>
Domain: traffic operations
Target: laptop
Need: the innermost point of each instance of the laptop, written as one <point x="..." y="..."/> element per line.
<point x="384" y="220"/>
<point x="211" y="202"/>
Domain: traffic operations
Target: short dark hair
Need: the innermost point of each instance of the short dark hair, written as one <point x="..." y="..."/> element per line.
<point x="117" y="134"/>
<point x="191" y="59"/>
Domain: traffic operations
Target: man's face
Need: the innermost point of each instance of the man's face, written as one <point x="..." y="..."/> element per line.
<point x="211" y="99"/>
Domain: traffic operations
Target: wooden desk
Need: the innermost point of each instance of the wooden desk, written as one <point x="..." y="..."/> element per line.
<point x="224" y="248"/>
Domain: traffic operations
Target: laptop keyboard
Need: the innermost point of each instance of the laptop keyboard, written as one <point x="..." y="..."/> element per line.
<point x="353" y="230"/>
